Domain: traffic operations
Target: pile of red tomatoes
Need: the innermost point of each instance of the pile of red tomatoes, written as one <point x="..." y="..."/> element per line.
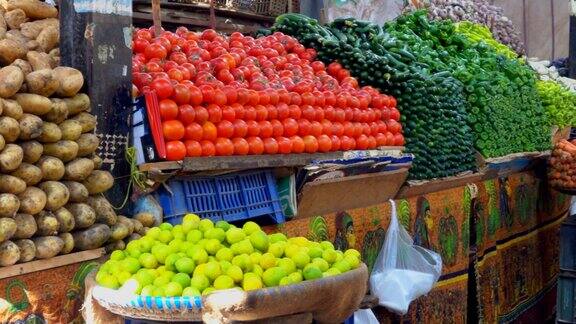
<point x="236" y="95"/>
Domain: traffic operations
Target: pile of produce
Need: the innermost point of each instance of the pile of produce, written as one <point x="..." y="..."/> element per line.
<point x="560" y="103"/>
<point x="50" y="182"/>
<point x="238" y="95"/>
<point x="480" y="12"/>
<point x="432" y="104"/>
<point x="548" y="71"/>
<point x="562" y="173"/>
<point x="199" y="257"/>
<point x="480" y="33"/>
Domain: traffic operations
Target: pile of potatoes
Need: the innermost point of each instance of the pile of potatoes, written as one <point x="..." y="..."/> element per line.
<point x="51" y="187"/>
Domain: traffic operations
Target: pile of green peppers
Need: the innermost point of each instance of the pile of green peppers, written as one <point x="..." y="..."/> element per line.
<point x="560" y="103"/>
<point x="479" y="33"/>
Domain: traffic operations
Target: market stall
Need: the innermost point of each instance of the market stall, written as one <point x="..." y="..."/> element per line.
<point x="260" y="167"/>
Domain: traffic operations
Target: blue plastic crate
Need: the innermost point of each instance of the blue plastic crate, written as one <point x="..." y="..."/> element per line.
<point x="231" y="197"/>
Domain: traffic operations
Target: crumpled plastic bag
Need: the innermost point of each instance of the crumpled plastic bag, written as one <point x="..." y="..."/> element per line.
<point x="365" y="316"/>
<point x="403" y="271"/>
<point x="376" y="11"/>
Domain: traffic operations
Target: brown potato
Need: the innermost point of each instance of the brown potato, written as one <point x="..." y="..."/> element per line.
<point x="2" y="143"/>
<point x="51" y="133"/>
<point x="11" y="50"/>
<point x="88" y="143"/>
<point x="30" y="173"/>
<point x="30" y="127"/>
<point x="47" y="223"/>
<point x="3" y="26"/>
<point x="12" y="109"/>
<point x="71" y="81"/>
<point x="11" y="79"/>
<point x="10" y="184"/>
<point x="146" y="219"/>
<point x="48" y="39"/>
<point x="16" y="35"/>
<point x="78" y="192"/>
<point x="15" y="18"/>
<point x="119" y="231"/>
<point x="34" y="9"/>
<point x="84" y="215"/>
<point x="97" y="161"/>
<point x="32" y="201"/>
<point x="27" y="250"/>
<point x="133" y="237"/>
<point x="117" y="245"/>
<point x="58" y="112"/>
<point x="42" y="82"/>
<point x="65" y="219"/>
<point x="63" y="150"/>
<point x="23" y="65"/>
<point x="9" y="128"/>
<point x="87" y="121"/>
<point x="78" y="169"/>
<point x="138" y="227"/>
<point x="33" y="104"/>
<point x="32" y="151"/>
<point x="52" y="168"/>
<point x="57" y="194"/>
<point x="98" y="182"/>
<point x="68" y="243"/>
<point x="71" y="129"/>
<point x="32" y="29"/>
<point x="77" y="104"/>
<point x="32" y="45"/>
<point x="47" y="246"/>
<point x="25" y="226"/>
<point x="128" y="222"/>
<point x="9" y="253"/>
<point x="92" y="238"/>
<point x="39" y="61"/>
<point x="105" y="213"/>
<point x="8" y="228"/>
<point x="11" y="158"/>
<point x="9" y="205"/>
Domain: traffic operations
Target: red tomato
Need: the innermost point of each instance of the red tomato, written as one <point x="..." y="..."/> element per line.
<point x="377" y="102"/>
<point x="274" y="96"/>
<point x="187" y="114"/>
<point x="390" y="139"/>
<point x="264" y="97"/>
<point x="241" y="146"/>
<point x="139" y="45"/>
<point x="173" y="130"/>
<point x="339" y="115"/>
<point x="393" y="126"/>
<point x="277" y="128"/>
<point x="194" y="132"/>
<point x="284" y="145"/>
<point x="253" y="128"/>
<point x="342" y="101"/>
<point x="348" y="129"/>
<point x="176" y="74"/>
<point x="304" y="127"/>
<point x="366" y="130"/>
<point x="256" y="145"/>
<point x="316" y="128"/>
<point x="335" y="143"/>
<point x="266" y="129"/>
<point x="240" y="128"/>
<point x="307" y="98"/>
<point x="310" y="143"/>
<point x="181" y="94"/>
<point x="346" y="143"/>
<point x="392" y="102"/>
<point x="290" y="127"/>
<point x="224" y="147"/>
<point x="381" y="139"/>
<point x="270" y="146"/>
<point x="193" y="148"/>
<point x="327" y="127"/>
<point x="329" y="98"/>
<point x="357" y="130"/>
<point x="243" y="96"/>
<point x="163" y="88"/>
<point x="295" y="112"/>
<point x="318" y="66"/>
<point x="261" y="113"/>
<point x="283" y="111"/>
<point x="324" y="143"/>
<point x="253" y="98"/>
<point x="155" y="50"/>
<point x="201" y="114"/>
<point x="175" y="151"/>
<point x="394" y="114"/>
<point x="284" y="96"/>
<point x="398" y="140"/>
<point x="337" y="129"/>
<point x="372" y="143"/>
<point x="208" y="148"/>
<point x="295" y="99"/>
<point x="195" y="95"/>
<point x="308" y="112"/>
<point x="272" y="112"/>
<point x="214" y="113"/>
<point x="374" y="128"/>
<point x="334" y="68"/>
<point x="207" y="93"/>
<point x="319" y="114"/>
<point x="231" y="95"/>
<point x="249" y="113"/>
<point x="209" y="131"/>
<point x="225" y="129"/>
<point x="238" y="111"/>
<point x="168" y="109"/>
<point x="298" y="145"/>
<point x="220" y="97"/>
<point x="228" y="113"/>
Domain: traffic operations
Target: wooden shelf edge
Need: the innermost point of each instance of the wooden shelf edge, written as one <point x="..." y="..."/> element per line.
<point x="55" y="262"/>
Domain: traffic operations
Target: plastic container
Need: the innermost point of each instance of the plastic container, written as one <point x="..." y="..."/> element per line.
<point x="231" y="197"/>
<point x="141" y="136"/>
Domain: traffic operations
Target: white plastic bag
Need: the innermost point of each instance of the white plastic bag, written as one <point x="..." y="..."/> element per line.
<point x="403" y="271"/>
<point x="365" y="316"/>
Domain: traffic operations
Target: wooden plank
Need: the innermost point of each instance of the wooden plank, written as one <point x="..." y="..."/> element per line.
<point x="334" y="195"/>
<point x="424" y="187"/>
<point x="240" y="162"/>
<point x="58" y="261"/>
